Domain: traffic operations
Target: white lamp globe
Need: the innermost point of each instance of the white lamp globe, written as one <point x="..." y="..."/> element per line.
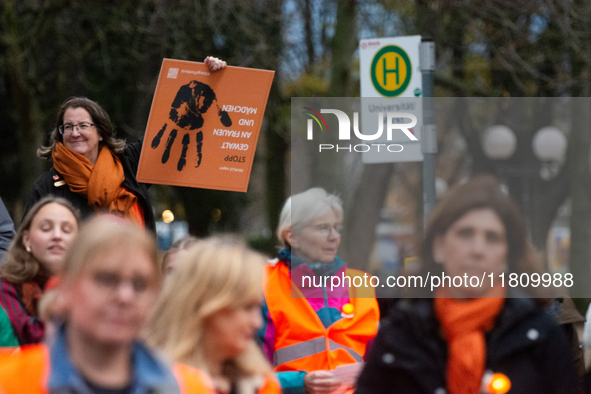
<point x="440" y="187"/>
<point x="549" y="144"/>
<point x="499" y="142"/>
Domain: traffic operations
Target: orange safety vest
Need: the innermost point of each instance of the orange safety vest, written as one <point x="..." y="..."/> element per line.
<point x="192" y="380"/>
<point x="302" y="343"/>
<point x="28" y="372"/>
<point x="270" y="385"/>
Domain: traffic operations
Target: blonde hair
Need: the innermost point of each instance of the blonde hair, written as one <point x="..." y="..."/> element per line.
<point x="213" y="275"/>
<point x="301" y="208"/>
<point x="100" y="236"/>
<point x="182" y="244"/>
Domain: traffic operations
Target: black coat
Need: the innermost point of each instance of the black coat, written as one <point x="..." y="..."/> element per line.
<point x="46" y="184"/>
<point x="6" y="230"/>
<point x="409" y="355"/>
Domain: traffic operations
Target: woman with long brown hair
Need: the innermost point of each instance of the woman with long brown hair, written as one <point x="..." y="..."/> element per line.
<point x="472" y="339"/>
<point x="36" y="253"/>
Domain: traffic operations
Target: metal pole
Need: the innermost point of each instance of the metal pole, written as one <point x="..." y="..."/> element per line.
<point x="429" y="133"/>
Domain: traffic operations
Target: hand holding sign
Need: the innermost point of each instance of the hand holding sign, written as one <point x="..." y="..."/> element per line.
<point x="191" y="101"/>
<point x="214" y="63"/>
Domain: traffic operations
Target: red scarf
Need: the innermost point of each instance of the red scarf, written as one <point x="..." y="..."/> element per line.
<point x="31" y="292"/>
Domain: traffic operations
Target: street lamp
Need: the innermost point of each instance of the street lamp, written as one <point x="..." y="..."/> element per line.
<point x="441" y="187"/>
<point x="548" y="145"/>
<point x="499" y="142"/>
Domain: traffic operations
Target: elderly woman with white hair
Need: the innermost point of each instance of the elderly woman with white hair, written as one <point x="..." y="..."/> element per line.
<point x="312" y="324"/>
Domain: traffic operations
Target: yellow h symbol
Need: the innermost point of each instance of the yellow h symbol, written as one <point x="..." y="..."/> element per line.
<point x="386" y="70"/>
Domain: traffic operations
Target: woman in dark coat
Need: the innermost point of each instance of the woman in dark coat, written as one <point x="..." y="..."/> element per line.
<point x="92" y="169"/>
<point x="457" y="341"/>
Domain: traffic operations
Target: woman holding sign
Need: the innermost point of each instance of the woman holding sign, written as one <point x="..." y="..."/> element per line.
<point x="92" y="169"/>
<point x="310" y="328"/>
<point x="486" y="338"/>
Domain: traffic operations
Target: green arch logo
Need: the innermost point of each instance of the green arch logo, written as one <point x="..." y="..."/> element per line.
<point x="391" y="71"/>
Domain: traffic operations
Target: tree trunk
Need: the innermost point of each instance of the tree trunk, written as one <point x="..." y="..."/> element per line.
<point x="364" y="215"/>
<point x="579" y="171"/>
<point x="276" y="143"/>
<point x="307" y="14"/>
<point x="343" y="46"/>
<point x="28" y="114"/>
<point x="580" y="186"/>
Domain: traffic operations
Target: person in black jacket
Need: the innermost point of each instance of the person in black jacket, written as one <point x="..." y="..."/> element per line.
<point x="6" y="230"/>
<point x="455" y="341"/>
<point x="91" y="168"/>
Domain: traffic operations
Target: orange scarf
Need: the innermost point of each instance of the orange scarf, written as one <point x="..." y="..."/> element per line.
<point x="99" y="183"/>
<point x="464" y="325"/>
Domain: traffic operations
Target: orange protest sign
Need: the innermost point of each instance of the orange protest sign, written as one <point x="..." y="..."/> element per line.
<point x="204" y="126"/>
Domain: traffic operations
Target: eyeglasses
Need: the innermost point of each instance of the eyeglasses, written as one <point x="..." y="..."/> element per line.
<point x="325" y="228"/>
<point x="110" y="282"/>
<point x="69" y="128"/>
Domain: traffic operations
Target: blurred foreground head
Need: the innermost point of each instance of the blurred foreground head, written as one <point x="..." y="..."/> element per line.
<point x="475" y="229"/>
<point x="175" y="252"/>
<point x="109" y="281"/>
<point x="209" y="307"/>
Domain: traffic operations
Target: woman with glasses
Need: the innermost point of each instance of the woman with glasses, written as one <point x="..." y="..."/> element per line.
<point x="93" y="169"/>
<point x="312" y="324"/>
<point x="37" y="253"/>
<point x="108" y="284"/>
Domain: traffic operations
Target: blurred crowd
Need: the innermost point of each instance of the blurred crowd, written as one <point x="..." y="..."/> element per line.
<point x="89" y="306"/>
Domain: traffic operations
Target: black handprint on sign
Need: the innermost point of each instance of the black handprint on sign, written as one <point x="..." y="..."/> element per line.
<point x="191" y="101"/>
